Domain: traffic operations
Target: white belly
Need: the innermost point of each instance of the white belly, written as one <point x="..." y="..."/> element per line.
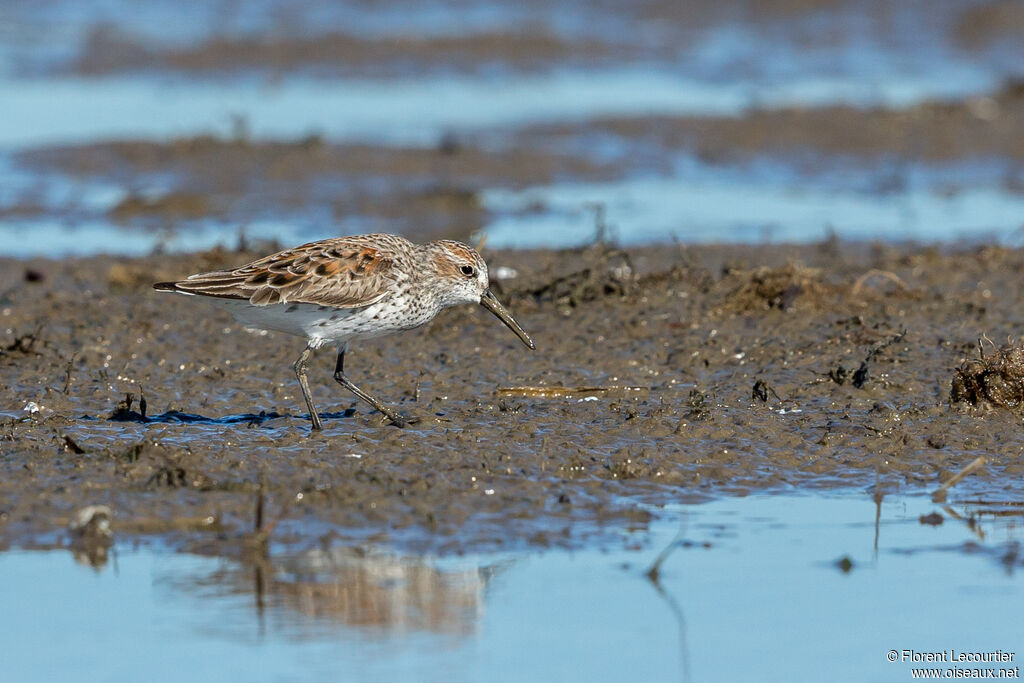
<point x="323" y="325"/>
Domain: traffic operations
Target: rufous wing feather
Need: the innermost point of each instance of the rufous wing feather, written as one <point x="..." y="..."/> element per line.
<point x="340" y="273"/>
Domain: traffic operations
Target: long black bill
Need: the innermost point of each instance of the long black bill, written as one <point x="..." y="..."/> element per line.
<point x="488" y="301"/>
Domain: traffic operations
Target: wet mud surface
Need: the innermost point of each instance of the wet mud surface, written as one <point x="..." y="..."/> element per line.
<point x="517" y="37"/>
<point x="344" y="55"/>
<point x="661" y="375"/>
<point x="434" y="192"/>
<point x="938" y="131"/>
<point x="440" y="191"/>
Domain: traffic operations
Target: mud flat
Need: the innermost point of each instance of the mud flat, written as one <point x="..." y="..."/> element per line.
<point x="661" y="375"/>
<point x="935" y="131"/>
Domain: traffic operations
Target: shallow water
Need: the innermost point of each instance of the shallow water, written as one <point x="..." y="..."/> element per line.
<point x="376" y="614"/>
<point x="710" y="209"/>
<point x="705" y="61"/>
<point x="26" y="238"/>
<point x="753" y="203"/>
<point x="416" y="111"/>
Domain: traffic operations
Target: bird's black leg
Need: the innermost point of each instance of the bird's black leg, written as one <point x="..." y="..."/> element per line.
<point x="339" y="376"/>
<point x="300" y="372"/>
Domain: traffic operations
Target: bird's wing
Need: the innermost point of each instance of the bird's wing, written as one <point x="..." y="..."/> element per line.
<point x="347" y="272"/>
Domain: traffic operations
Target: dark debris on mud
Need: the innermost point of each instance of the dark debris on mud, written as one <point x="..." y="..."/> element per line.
<point x="996" y="379"/>
<point x="783" y="288"/>
<point x="609" y="273"/>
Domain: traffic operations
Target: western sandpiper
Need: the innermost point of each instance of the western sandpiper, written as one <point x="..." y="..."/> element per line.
<point x="337" y="290"/>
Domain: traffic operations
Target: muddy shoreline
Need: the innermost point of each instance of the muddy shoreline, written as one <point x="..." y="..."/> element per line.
<point x="183" y="184"/>
<point x="718" y="371"/>
<point x="939" y="131"/>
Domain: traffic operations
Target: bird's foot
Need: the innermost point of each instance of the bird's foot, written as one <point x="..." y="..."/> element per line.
<point x="398" y="420"/>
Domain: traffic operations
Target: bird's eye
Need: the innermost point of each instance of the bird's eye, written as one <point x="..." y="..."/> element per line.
<point x="468" y="271"/>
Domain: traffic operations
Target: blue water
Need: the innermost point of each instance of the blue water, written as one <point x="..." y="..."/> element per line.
<point x="656" y="210"/>
<point x="752" y="591"/>
<point x="709" y="63"/>
<point x="899" y="42"/>
<point x="417" y="111"/>
<point x="758" y="202"/>
<point x="54" y="238"/>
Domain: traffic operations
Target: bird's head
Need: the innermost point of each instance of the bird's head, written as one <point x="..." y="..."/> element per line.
<point x="464" y="274"/>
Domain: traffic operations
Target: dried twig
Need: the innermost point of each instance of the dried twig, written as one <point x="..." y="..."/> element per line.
<point x="67" y="372"/>
<point x="564" y="392"/>
<point x="892" y="277"/>
<point x="939" y="496"/>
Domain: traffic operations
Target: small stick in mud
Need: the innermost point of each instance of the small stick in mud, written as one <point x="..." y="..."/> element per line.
<point x="600" y="222"/>
<point x="558" y="391"/>
<point x="67" y="372"/>
<point x="71" y="445"/>
<point x="25" y="343"/>
<point x="761" y="389"/>
<point x="862" y="280"/>
<point x="263" y="529"/>
<point x="257" y="523"/>
<point x="861" y="374"/>
<point x="654" y="576"/>
<point x="939" y="496"/>
<point x="654" y="571"/>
